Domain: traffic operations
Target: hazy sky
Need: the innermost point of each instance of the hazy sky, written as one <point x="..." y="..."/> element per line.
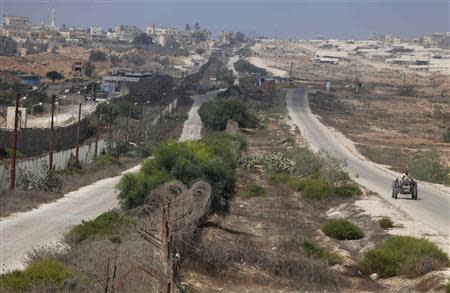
<point x="296" y="19"/>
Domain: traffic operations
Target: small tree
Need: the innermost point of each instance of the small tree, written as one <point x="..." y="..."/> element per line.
<point x="7" y="46"/>
<point x="115" y="59"/>
<point x="239" y="37"/>
<point x="446" y="136"/>
<point x="187" y="27"/>
<point x="429" y="166"/>
<point x="54" y="75"/>
<point x="142" y="39"/>
<point x="97" y="55"/>
<point x="89" y="68"/>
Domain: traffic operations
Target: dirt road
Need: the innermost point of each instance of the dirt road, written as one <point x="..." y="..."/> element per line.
<point x="22" y="232"/>
<point x="193" y="126"/>
<point x="433" y="207"/>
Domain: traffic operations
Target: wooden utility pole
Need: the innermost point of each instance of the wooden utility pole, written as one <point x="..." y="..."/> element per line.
<point x="161" y="109"/>
<point x="50" y="151"/>
<point x="97" y="132"/>
<point x="166" y="240"/>
<point x="12" y="176"/>
<point x="140" y="125"/>
<point x="291" y="71"/>
<point x="77" y="151"/>
<point x="110" y="123"/>
<point x="126" y="127"/>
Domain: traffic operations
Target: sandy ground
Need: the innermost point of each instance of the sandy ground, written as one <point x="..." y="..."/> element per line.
<point x="260" y="62"/>
<point x="64" y="115"/>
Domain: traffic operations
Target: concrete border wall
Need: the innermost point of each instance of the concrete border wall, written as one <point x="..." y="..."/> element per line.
<point x="35" y="141"/>
<point x="61" y="158"/>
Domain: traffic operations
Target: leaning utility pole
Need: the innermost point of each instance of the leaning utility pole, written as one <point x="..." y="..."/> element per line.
<point x="77" y="151"/>
<point x="50" y="152"/>
<point x="12" y="177"/>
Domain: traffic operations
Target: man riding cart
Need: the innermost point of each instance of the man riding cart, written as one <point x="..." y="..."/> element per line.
<point x="405" y="185"/>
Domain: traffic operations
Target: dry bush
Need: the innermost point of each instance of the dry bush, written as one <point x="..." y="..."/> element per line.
<point x="19" y="201"/>
<point x="224" y="259"/>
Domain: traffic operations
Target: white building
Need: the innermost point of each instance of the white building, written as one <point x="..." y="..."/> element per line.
<point x="96" y="31"/>
<point x="16" y="25"/>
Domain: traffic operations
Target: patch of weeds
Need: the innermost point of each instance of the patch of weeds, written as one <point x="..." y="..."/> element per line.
<point x="104" y="161"/>
<point x="254" y="190"/>
<point x="289" y="180"/>
<point x="107" y="225"/>
<point x="347" y="190"/>
<point x="342" y="229"/>
<point x="386" y="223"/>
<point x="39" y="180"/>
<point x="314" y="188"/>
<point x="447" y="287"/>
<point x="47" y="273"/>
<point x="288" y="140"/>
<point x="274" y="162"/>
<point x="404" y="255"/>
<point x="312" y="249"/>
<point x="242" y="141"/>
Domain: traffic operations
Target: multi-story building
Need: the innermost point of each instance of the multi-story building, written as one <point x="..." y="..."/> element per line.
<point x="96" y="31"/>
<point x="16" y="25"/>
<point x="126" y="32"/>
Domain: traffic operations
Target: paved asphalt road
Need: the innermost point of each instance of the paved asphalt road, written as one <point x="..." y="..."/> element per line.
<point x="22" y="232"/>
<point x="433" y="206"/>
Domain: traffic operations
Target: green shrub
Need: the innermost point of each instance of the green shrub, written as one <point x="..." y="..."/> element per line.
<point x="274" y="162"/>
<point x="213" y="159"/>
<point x="342" y="229"/>
<point x="107" y="225"/>
<point x="215" y="114"/>
<point x="306" y="161"/>
<point x="314" y="188"/>
<point x="289" y="180"/>
<point x="42" y="180"/>
<point x="97" y="55"/>
<point x="105" y="161"/>
<point x="254" y="190"/>
<point x="134" y="188"/>
<point x="446" y="136"/>
<point x="46" y="272"/>
<point x="429" y="166"/>
<point x="243" y="66"/>
<point x="329" y="257"/>
<point x="404" y="255"/>
<point x="447" y="287"/>
<point x="347" y="190"/>
<point x="386" y="223"/>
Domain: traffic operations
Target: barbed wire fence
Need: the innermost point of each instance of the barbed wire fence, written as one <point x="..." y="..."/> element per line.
<point x="172" y="215"/>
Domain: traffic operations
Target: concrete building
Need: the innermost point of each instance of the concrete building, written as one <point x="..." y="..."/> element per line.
<point x="16" y="25"/>
<point x="126" y="33"/>
<point x="29" y="79"/>
<point x="96" y="32"/>
<point x="120" y="77"/>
